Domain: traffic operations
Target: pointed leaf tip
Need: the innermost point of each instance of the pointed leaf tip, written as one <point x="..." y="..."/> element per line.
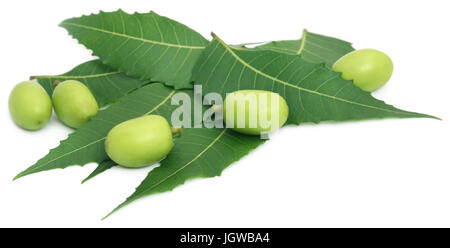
<point x="186" y="161"/>
<point x="20" y="175"/>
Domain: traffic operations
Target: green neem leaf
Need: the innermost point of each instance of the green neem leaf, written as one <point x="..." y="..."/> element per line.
<point x="106" y="84"/>
<point x="102" y="167"/>
<point x="312" y="47"/>
<point x="86" y="144"/>
<point x="313" y="92"/>
<point x="147" y="46"/>
<point x="198" y="152"/>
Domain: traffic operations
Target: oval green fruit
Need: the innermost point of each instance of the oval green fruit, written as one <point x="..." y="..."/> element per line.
<point x="139" y="142"/>
<point x="74" y="103"/>
<point x="254" y="112"/>
<point x="30" y="105"/>
<point x="369" y="69"/>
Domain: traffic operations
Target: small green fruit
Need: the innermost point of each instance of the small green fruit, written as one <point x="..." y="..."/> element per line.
<point x="254" y="111"/>
<point x="74" y="103"/>
<point x="369" y="69"/>
<point x="139" y="142"/>
<point x="30" y="106"/>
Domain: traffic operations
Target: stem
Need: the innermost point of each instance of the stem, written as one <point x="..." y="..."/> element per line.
<point x="40" y="76"/>
<point x="176" y="130"/>
<point x="56" y="82"/>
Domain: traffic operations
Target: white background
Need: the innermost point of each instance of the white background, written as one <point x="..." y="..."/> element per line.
<point x="378" y="173"/>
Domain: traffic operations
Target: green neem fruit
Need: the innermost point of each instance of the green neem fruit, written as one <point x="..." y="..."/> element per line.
<point x="368" y="68"/>
<point x="254" y="111"/>
<point x="30" y="106"/>
<point x="74" y="103"/>
<point x="139" y="142"/>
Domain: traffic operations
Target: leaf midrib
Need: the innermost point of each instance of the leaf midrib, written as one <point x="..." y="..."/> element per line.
<point x="172" y="174"/>
<point x="132" y="37"/>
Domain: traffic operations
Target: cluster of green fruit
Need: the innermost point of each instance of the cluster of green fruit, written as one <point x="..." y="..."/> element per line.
<point x="148" y="139"/>
<point x="31" y="107"/>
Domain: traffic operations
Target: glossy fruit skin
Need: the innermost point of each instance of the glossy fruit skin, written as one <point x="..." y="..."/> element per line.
<point x="369" y="69"/>
<point x="139" y="142"/>
<point x="252" y="110"/>
<point x="30" y="105"/>
<point x="74" y="103"/>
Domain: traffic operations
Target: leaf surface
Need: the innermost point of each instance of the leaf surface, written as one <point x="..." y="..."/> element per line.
<point x="313" y="92"/>
<point x="147" y="46"/>
<point x="106" y="84"/>
<point x="198" y="152"/>
<point x="312" y="47"/>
